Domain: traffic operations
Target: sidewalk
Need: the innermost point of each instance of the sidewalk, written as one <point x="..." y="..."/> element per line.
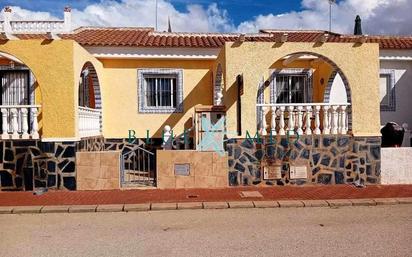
<point x="234" y="194"/>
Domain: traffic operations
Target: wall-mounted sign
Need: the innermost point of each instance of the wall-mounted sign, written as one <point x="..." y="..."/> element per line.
<point x="182" y="169"/>
<point x="298" y="172"/>
<point x="272" y="172"/>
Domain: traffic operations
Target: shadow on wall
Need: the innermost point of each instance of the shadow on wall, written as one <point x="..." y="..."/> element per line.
<point x="403" y="94"/>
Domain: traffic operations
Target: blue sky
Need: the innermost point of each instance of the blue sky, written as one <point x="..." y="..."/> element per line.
<point x="239" y="10"/>
<point x="378" y="16"/>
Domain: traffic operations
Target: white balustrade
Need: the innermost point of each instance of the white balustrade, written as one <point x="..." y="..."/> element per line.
<point x="19" y="122"/>
<point x="89" y="122"/>
<point x="37" y="26"/>
<point x="297" y="118"/>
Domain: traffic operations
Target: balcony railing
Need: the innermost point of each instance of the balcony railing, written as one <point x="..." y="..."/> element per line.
<point x="89" y="122"/>
<point x="19" y="121"/>
<point x="304" y="119"/>
<point x="37" y="26"/>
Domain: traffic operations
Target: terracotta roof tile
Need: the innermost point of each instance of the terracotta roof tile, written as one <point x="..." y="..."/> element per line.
<point x="147" y="37"/>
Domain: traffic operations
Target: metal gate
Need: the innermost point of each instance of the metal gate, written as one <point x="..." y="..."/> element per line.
<point x="138" y="168"/>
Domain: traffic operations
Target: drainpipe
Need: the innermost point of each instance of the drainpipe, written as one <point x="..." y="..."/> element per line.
<point x="67" y="19"/>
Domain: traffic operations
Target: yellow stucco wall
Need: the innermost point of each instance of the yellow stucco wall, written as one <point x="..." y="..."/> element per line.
<point x="120" y="98"/>
<point x="55" y="64"/>
<point x="359" y="63"/>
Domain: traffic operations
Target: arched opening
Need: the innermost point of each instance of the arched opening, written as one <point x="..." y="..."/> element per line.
<point x="89" y="101"/>
<point x="19" y="95"/>
<point x="306" y="93"/>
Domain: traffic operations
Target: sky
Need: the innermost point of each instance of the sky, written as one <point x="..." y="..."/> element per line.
<point x="378" y="16"/>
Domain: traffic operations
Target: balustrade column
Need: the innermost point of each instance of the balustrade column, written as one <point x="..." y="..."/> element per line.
<point x="264" y="124"/>
<point x="308" y="130"/>
<point x="326" y="126"/>
<point x="344" y="129"/>
<point x="25" y="124"/>
<point x="317" y="120"/>
<point x="334" y="119"/>
<point x="35" y="127"/>
<point x="300" y="122"/>
<point x="5" y="125"/>
<point x="14" y="124"/>
<point x="282" y="121"/>
<point x="291" y="123"/>
<point x="273" y="121"/>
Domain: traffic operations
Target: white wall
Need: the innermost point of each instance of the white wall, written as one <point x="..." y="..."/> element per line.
<point x="403" y="93"/>
<point x="338" y="91"/>
<point x="396" y="165"/>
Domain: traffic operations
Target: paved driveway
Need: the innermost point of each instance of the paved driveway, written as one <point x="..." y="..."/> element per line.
<point x="345" y="231"/>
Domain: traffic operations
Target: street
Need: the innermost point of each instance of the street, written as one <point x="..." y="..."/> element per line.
<point x="344" y="231"/>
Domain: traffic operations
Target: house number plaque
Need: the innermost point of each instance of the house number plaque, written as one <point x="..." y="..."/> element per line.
<point x="272" y="172"/>
<point x="182" y="169"/>
<point x="298" y="172"/>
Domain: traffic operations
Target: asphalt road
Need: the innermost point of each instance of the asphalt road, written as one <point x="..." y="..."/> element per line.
<point x="345" y="231"/>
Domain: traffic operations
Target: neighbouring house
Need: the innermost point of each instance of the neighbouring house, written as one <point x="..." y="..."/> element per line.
<point x="293" y="107"/>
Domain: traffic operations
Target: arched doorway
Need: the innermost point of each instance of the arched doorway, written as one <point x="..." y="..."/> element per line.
<point x="308" y="94"/>
<point x="89" y="101"/>
<point x="19" y="111"/>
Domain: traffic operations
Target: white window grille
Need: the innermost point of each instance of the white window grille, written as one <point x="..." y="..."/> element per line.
<point x="160" y="90"/>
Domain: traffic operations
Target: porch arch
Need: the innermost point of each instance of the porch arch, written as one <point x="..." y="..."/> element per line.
<point x="20" y="99"/>
<point x="93" y="82"/>
<point x="89" y="102"/>
<point x="327" y="119"/>
<point x="335" y="71"/>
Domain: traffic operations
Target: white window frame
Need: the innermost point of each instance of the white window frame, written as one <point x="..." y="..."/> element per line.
<point x="142" y="74"/>
<point x="391" y="107"/>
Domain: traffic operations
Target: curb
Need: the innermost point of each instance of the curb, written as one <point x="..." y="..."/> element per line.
<point x="335" y="203"/>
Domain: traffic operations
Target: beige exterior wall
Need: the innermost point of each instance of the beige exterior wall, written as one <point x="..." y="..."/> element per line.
<point x="359" y="63"/>
<point x="207" y="169"/>
<point x="98" y="170"/>
<point x="120" y="97"/>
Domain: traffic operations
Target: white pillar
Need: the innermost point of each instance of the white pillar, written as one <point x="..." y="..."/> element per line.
<point x="5" y="125"/>
<point x="35" y="127"/>
<point x="334" y="119"/>
<point x="282" y="121"/>
<point x="317" y="120"/>
<point x="291" y="123"/>
<point x="344" y="128"/>
<point x="7" y="18"/>
<point x="273" y="121"/>
<point x="67" y="19"/>
<point x="264" y="123"/>
<point x="300" y="122"/>
<point x="308" y="130"/>
<point x="326" y="126"/>
<point x="14" y="124"/>
<point x="25" y="123"/>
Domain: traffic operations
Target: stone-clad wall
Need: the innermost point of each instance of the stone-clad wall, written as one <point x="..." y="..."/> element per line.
<point x="30" y="164"/>
<point x="329" y="159"/>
